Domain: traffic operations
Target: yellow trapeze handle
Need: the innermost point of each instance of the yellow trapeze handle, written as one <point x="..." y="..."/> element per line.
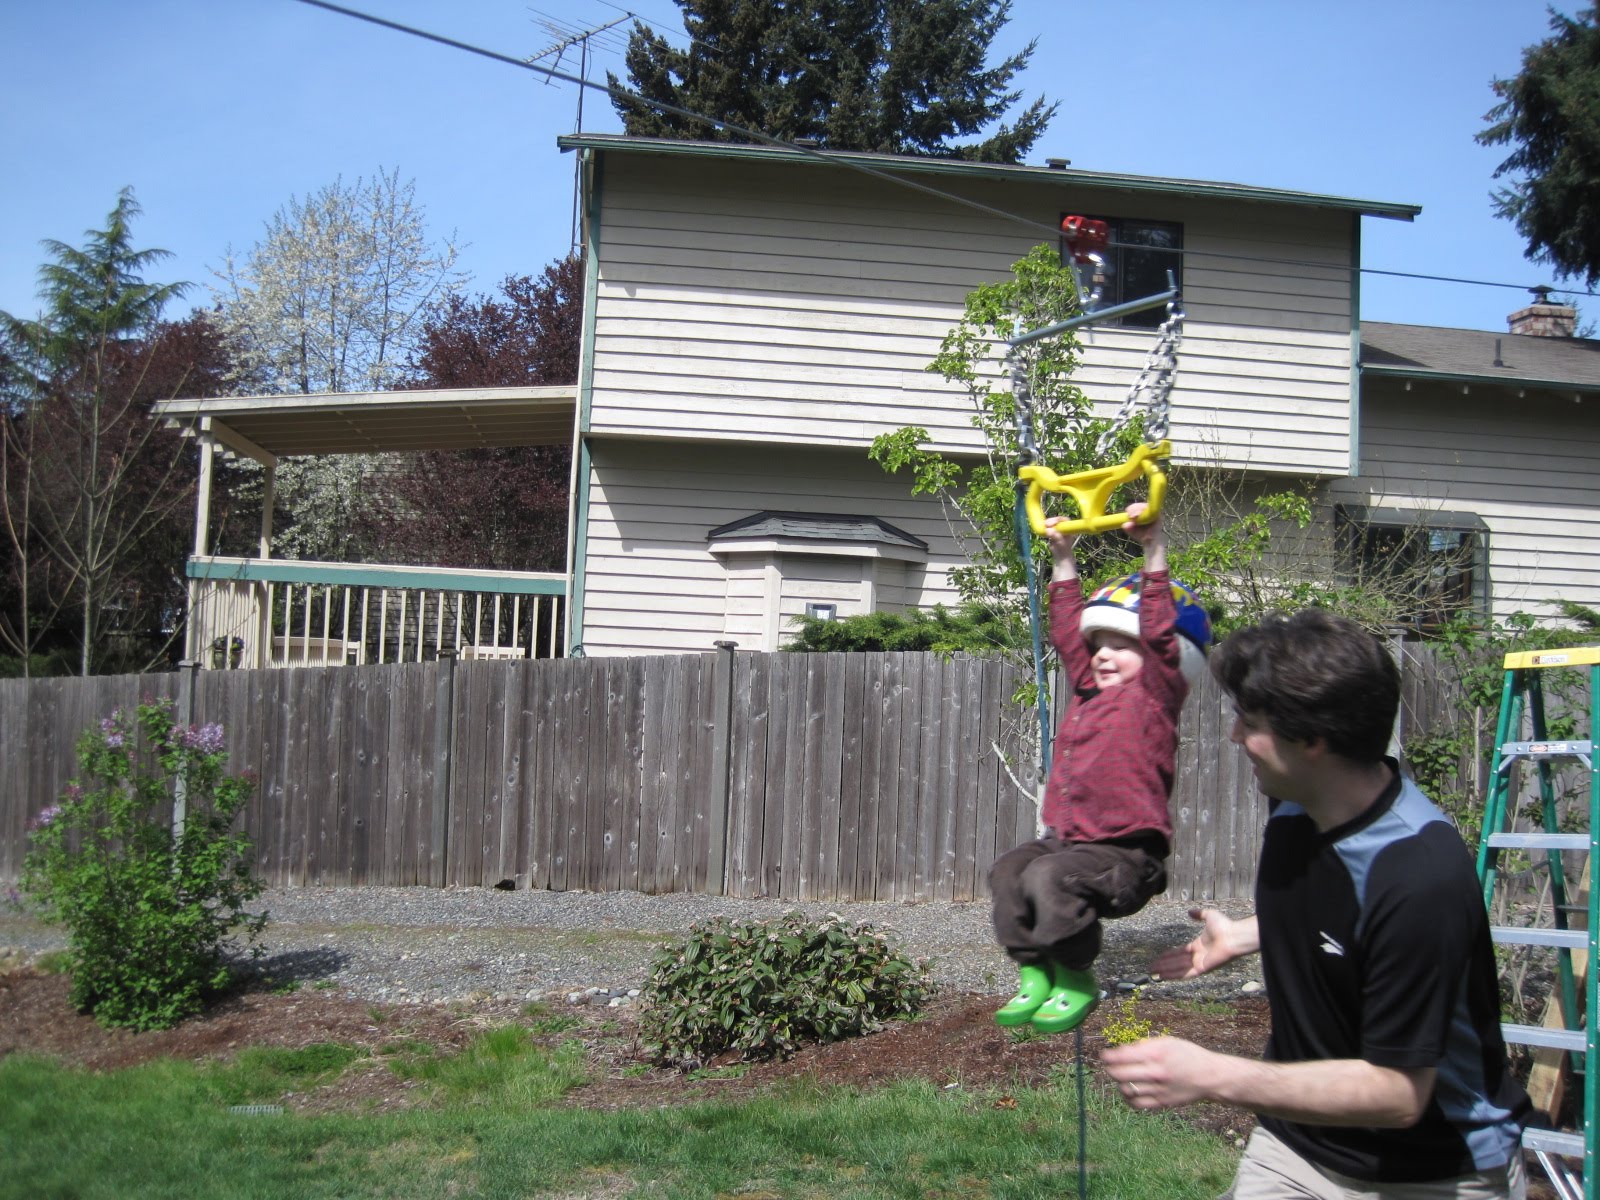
<point x="1091" y="489"/>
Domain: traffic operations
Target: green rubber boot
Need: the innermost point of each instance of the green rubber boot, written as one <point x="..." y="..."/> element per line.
<point x="1072" y="998"/>
<point x="1032" y="991"/>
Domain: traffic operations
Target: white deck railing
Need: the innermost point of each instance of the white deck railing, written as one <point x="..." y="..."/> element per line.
<point x="252" y="612"/>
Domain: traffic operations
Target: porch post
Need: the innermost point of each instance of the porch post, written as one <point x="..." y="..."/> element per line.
<point x="202" y="500"/>
<point x="269" y="476"/>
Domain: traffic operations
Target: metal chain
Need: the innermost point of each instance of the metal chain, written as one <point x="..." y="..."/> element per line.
<point x="1028" y="452"/>
<point x="1153" y="387"/>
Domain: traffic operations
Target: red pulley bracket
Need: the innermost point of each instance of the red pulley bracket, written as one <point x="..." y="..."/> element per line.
<point x="1084" y="237"/>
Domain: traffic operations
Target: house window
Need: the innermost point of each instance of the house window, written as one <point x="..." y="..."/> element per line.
<point x="822" y="612"/>
<point x="1435" y="565"/>
<point x="1136" y="264"/>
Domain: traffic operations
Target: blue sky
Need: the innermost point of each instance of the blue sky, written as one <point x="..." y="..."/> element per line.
<point x="218" y="111"/>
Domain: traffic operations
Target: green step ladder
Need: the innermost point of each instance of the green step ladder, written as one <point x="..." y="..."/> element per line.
<point x="1523" y="694"/>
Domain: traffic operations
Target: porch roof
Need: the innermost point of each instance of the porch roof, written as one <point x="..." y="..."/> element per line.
<point x="271" y="427"/>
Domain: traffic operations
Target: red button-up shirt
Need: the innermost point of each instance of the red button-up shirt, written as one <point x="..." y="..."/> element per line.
<point x="1116" y="750"/>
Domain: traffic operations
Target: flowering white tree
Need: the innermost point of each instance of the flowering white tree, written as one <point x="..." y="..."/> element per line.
<point x="332" y="299"/>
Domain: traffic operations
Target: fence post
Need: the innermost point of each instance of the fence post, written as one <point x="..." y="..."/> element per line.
<point x="187" y="670"/>
<point x="721" y="798"/>
<point x="444" y="732"/>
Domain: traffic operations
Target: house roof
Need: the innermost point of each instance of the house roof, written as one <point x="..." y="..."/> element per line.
<point x="803" y="526"/>
<point x="1478" y="356"/>
<point x="267" y="427"/>
<point x="1048" y="176"/>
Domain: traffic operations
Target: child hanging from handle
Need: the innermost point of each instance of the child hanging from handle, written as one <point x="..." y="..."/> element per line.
<point x="1131" y="654"/>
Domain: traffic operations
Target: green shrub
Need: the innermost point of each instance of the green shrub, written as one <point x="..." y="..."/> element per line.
<point x="760" y="989"/>
<point x="148" y="912"/>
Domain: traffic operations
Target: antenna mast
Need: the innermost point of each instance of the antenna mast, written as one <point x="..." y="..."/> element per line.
<point x="564" y="42"/>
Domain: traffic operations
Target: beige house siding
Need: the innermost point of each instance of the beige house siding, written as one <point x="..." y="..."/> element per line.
<point x="1525" y="465"/>
<point x="653" y="583"/>
<point x="798" y="303"/>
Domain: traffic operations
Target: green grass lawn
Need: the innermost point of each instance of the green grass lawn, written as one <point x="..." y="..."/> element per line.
<point x="493" y="1127"/>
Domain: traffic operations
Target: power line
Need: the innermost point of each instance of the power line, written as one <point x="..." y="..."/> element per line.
<point x="619" y="93"/>
<point x="837" y="159"/>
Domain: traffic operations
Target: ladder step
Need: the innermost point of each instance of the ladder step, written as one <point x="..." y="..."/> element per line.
<point x="1568" y="939"/>
<point x="1553" y="1141"/>
<point x="1540" y="1035"/>
<point x="1546" y="749"/>
<point x="1509" y="752"/>
<point x="1540" y="841"/>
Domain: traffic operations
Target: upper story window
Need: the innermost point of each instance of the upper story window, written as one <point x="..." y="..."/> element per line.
<point x="1137" y="261"/>
<point x="1434" y="564"/>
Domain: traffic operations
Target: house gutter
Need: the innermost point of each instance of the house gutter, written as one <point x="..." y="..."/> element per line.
<point x="1426" y="375"/>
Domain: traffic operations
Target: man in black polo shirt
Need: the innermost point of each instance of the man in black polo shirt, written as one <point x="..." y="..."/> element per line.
<point x="1385" y="1074"/>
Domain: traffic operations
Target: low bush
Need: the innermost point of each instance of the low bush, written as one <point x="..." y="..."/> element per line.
<point x="761" y="989"/>
<point x="149" y="911"/>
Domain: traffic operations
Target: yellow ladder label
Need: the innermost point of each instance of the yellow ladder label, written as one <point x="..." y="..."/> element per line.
<point x="1571" y="656"/>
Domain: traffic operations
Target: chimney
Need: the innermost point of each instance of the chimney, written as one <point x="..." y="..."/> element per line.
<point x="1544" y="319"/>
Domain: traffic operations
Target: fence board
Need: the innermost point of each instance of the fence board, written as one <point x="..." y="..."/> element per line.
<point x="963" y="797"/>
<point x="913" y="835"/>
<point x="780" y="672"/>
<point x="852" y="688"/>
<point x="544" y="687"/>
<point x="703" y="709"/>
<point x="748" y="772"/>
<point x="16" y="754"/>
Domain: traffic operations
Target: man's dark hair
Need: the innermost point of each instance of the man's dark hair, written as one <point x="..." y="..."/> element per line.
<point x="1314" y="675"/>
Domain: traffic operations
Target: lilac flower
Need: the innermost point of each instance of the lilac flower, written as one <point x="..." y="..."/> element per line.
<point x="111" y="729"/>
<point x="74" y="792"/>
<point x="45" y="817"/>
<point x="207" y="739"/>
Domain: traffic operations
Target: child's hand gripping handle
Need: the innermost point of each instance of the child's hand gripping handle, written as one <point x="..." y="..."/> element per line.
<point x="1092" y="489"/>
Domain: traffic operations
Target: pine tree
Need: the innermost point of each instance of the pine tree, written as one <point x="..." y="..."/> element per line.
<point x="1550" y="113"/>
<point x="89" y="485"/>
<point x="888" y="76"/>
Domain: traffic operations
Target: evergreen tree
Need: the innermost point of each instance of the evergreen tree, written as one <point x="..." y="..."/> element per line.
<point x="888" y="76"/>
<point x="92" y="498"/>
<point x="1550" y="113"/>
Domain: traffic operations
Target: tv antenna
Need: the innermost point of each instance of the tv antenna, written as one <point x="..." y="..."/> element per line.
<point x="564" y="42"/>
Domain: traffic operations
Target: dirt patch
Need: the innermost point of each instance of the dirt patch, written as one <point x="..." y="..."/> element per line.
<point x="955" y="1042"/>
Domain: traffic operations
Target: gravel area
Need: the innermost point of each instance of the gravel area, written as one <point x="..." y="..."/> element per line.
<point x="431" y="945"/>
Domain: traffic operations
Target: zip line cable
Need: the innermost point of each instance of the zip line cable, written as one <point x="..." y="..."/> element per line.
<point x="618" y="93"/>
<point x="839" y="159"/>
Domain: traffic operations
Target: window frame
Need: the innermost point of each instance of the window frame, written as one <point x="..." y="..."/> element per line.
<point x="1464" y="590"/>
<point x="1116" y="271"/>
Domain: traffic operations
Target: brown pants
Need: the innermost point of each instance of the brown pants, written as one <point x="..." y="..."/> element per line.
<point x="1050" y="895"/>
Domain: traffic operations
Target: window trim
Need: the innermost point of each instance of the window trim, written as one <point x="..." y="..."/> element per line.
<point x="1153" y="317"/>
<point x="1350" y="520"/>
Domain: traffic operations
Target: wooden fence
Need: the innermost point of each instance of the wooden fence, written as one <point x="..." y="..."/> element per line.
<point x="806" y="776"/>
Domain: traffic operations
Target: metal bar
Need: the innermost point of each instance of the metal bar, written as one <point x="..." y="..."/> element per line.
<point x="1540" y="841"/>
<point x="1540" y="1035"/>
<point x="1553" y="1141"/>
<point x="1090" y="318"/>
<point x="1560" y="939"/>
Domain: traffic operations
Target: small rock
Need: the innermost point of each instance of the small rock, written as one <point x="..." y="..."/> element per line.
<point x="1251" y="987"/>
<point x="577" y="998"/>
